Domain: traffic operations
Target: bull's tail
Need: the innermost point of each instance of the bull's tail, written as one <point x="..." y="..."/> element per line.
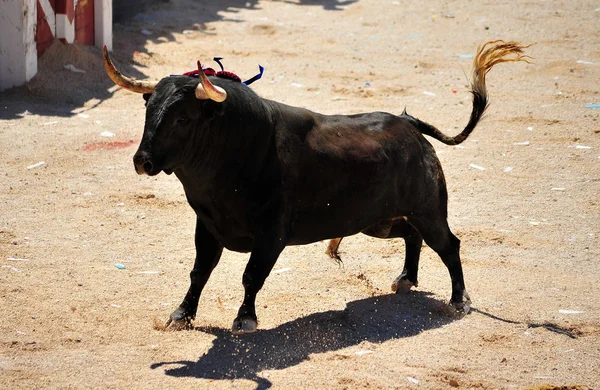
<point x="488" y="55"/>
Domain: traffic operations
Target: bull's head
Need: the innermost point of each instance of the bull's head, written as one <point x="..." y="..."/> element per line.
<point x="171" y="115"/>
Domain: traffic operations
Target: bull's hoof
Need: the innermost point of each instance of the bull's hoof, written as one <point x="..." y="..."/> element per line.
<point x="402" y="286"/>
<point x="178" y="320"/>
<point x="463" y="306"/>
<point x="244" y="325"/>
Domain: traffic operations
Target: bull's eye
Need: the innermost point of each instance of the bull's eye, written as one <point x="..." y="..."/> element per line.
<point x="183" y="120"/>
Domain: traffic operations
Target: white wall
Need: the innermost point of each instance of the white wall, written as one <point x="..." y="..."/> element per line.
<point x="18" y="50"/>
<point x="103" y="22"/>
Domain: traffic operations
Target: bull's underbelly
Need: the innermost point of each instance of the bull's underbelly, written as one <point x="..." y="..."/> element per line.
<point x="237" y="244"/>
<point x="233" y="240"/>
<point x="308" y="230"/>
<point x="339" y="216"/>
<point x="313" y="224"/>
<point x="230" y="232"/>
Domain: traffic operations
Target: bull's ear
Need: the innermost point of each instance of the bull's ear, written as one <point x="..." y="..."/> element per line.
<point x="146" y="98"/>
<point x="212" y="109"/>
<point x="218" y="109"/>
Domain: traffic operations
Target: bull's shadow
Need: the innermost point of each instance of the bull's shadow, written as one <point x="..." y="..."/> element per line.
<point x="376" y="320"/>
<point x="330" y="5"/>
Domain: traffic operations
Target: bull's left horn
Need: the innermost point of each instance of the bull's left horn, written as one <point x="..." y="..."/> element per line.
<point x="206" y="89"/>
<point x="124" y="81"/>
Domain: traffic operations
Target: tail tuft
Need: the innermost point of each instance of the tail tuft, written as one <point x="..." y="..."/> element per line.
<point x="491" y="54"/>
<point x="488" y="55"/>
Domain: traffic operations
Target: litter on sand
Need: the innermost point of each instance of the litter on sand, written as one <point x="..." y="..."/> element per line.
<point x="37" y="165"/>
<point x="107" y="134"/>
<point x="508" y="169"/>
<point x="475" y="166"/>
<point x="567" y="311"/>
<point x="428" y="93"/>
<point x="466" y="56"/>
<point x="413" y="380"/>
<point x="282" y="270"/>
<point x="524" y="143"/>
<point x="557" y="188"/>
<point x="16" y="259"/>
<point x="584" y="62"/>
<point x="73" y="69"/>
<point x="120" y="266"/>
<point x="592" y="106"/>
<point x="582" y="147"/>
<point x="363" y="352"/>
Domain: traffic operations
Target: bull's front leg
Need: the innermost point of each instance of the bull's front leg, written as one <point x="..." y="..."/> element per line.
<point x="208" y="253"/>
<point x="266" y="249"/>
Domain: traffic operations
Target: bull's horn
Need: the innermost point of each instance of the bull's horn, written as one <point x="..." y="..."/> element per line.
<point x="206" y="89"/>
<point x="124" y="81"/>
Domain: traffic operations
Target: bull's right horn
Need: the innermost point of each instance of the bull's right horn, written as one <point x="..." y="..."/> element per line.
<point x="207" y="90"/>
<point x="124" y="81"/>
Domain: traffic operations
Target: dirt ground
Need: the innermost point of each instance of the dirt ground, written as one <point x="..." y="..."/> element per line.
<point x="524" y="200"/>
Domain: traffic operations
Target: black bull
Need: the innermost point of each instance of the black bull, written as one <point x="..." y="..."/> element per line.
<point x="261" y="175"/>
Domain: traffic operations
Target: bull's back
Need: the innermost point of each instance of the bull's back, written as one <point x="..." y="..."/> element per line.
<point x="356" y="171"/>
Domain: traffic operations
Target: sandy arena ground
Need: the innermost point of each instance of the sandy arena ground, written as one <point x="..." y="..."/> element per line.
<point x="524" y="200"/>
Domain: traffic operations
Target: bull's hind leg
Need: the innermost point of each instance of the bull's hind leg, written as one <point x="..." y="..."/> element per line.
<point x="436" y="233"/>
<point x="412" y="242"/>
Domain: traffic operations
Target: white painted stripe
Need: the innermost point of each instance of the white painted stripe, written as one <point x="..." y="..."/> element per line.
<point x="64" y="28"/>
<point x="50" y="17"/>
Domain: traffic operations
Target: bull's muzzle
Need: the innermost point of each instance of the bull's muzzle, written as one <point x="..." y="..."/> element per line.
<point x="143" y="163"/>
